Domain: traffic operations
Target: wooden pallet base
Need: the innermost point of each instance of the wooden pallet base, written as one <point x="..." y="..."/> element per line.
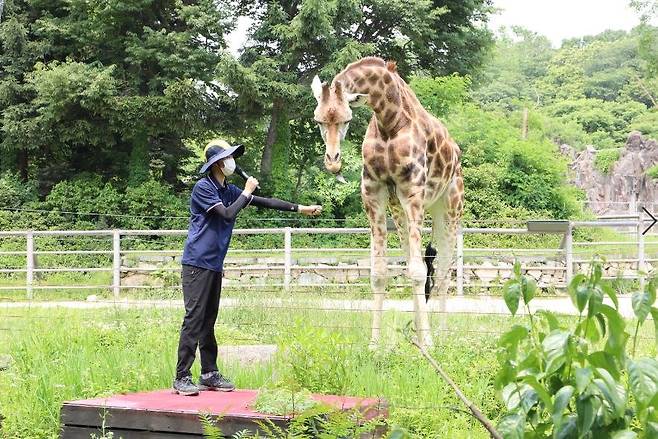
<point x="164" y="415"/>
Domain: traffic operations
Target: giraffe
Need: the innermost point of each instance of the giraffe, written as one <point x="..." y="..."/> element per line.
<point x="411" y="166"/>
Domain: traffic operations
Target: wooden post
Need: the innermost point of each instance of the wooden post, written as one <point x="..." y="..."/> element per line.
<point x="568" y="253"/>
<point x="116" y="263"/>
<point x="640" y="248"/>
<point x="524" y="126"/>
<point x="460" y="261"/>
<point x="29" y="274"/>
<point x="287" y="259"/>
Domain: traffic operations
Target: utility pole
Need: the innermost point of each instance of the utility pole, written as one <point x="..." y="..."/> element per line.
<point x="524" y="126"/>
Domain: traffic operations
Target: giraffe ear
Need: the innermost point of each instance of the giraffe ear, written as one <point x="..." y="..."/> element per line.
<point x="356" y="99"/>
<point x="316" y="86"/>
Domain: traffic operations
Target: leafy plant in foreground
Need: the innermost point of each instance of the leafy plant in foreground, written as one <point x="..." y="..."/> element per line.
<point x="577" y="381"/>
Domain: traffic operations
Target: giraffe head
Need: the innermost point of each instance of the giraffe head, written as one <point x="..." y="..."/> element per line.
<point x="333" y="115"/>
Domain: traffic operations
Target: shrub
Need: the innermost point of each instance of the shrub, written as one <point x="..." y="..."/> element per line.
<point x="13" y="192"/>
<point x="440" y="95"/>
<point x="570" y="382"/>
<point x="653" y="172"/>
<point x="605" y="159"/>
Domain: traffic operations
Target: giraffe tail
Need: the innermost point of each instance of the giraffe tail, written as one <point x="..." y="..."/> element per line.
<point x="430" y="254"/>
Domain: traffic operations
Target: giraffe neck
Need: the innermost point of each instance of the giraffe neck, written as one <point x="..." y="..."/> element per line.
<point x="388" y="95"/>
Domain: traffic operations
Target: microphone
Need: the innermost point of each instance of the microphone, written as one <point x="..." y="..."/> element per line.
<point x="241" y="173"/>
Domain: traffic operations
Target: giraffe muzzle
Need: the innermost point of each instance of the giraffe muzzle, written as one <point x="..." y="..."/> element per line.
<point x="332" y="163"/>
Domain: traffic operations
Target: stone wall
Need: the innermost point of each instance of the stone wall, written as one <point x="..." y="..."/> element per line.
<point x="332" y="270"/>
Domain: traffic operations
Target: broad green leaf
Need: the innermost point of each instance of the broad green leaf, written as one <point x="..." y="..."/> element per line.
<point x="512" y="295"/>
<point x="604" y="360"/>
<point x="543" y="394"/>
<point x="528" y="288"/>
<point x="583" y="293"/>
<point x="589" y="330"/>
<point x="617" y="337"/>
<point x="511" y="338"/>
<point x="654" y="316"/>
<point x="550" y="319"/>
<point x="598" y="273"/>
<point x="595" y="300"/>
<point x="517" y="268"/>
<point x="555" y="347"/>
<point x="511" y="396"/>
<point x="512" y="426"/>
<point x="601" y="321"/>
<point x="643" y="379"/>
<point x="623" y="434"/>
<point x="529" y="399"/>
<point x="651" y="430"/>
<point x="586" y="408"/>
<point x="642" y="304"/>
<point x="562" y="398"/>
<point x="583" y="378"/>
<point x="568" y="429"/>
<point x="577" y="281"/>
<point x="607" y="289"/>
<point x="613" y="392"/>
<point x="398" y="434"/>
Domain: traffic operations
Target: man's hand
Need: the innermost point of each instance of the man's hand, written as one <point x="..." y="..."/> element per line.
<point x="310" y="210"/>
<point x="251" y="185"/>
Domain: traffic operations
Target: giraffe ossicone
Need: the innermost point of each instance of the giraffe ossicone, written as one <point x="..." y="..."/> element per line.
<point x="410" y="166"/>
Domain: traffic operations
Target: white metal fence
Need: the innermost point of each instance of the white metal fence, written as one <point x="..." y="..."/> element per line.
<point x="566" y="254"/>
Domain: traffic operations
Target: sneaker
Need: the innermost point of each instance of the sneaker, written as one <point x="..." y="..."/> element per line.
<point x="216" y="382"/>
<point x="185" y="386"/>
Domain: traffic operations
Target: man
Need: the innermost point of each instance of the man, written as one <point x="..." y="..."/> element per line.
<point x="214" y="205"/>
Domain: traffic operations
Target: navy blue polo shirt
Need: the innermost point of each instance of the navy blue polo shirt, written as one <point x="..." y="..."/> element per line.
<point x="209" y="235"/>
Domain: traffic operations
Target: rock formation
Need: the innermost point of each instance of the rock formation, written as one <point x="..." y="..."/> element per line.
<point x="627" y="186"/>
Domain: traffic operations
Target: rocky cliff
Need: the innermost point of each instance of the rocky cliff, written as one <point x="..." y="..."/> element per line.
<point x="626" y="186"/>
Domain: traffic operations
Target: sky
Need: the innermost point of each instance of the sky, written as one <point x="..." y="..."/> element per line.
<point x="560" y="19"/>
<point x="556" y="19"/>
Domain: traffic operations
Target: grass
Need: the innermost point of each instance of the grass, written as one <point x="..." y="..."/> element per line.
<point x="63" y="354"/>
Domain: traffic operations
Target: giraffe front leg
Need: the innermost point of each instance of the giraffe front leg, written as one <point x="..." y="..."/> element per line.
<point x="413" y="208"/>
<point x="375" y="200"/>
<point x="446" y="216"/>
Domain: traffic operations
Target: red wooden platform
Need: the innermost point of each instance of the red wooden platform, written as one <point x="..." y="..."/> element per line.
<point x="164" y="415"/>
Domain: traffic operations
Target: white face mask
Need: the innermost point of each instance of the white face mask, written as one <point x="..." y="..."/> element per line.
<point x="229" y="166"/>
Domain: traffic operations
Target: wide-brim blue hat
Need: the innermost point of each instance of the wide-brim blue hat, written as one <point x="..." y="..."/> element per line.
<point x="219" y="149"/>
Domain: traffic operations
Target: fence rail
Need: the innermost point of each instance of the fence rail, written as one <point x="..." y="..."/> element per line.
<point x="565" y="254"/>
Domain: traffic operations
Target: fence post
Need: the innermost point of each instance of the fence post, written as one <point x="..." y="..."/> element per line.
<point x="460" y="260"/>
<point x="29" y="274"/>
<point x="640" y="248"/>
<point x="116" y="263"/>
<point x="568" y="253"/>
<point x="287" y="259"/>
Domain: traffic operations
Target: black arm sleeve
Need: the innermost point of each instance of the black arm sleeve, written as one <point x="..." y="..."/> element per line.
<point x="274" y="203"/>
<point x="230" y="212"/>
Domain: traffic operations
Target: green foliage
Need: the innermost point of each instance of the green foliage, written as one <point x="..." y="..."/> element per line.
<point x="605" y="159"/>
<point x="506" y="177"/>
<point x="314" y="358"/>
<point x="13" y="192"/>
<point x="319" y="421"/>
<point x="647" y="124"/>
<point x="564" y="382"/>
<point x="442" y="94"/>
<point x="82" y="83"/>
<point x="653" y="172"/>
<point x="282" y="401"/>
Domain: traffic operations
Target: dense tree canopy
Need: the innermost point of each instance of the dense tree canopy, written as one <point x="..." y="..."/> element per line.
<point x="108" y="87"/>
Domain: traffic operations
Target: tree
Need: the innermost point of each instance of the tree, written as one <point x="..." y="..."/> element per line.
<point x="91" y="86"/>
<point x="293" y="40"/>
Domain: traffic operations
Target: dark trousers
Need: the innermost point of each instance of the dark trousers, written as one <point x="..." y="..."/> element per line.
<point x="201" y="291"/>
